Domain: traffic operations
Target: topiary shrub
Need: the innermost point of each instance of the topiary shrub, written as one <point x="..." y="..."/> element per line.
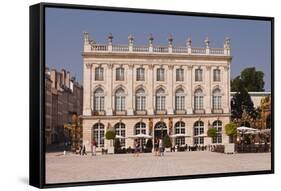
<point x="231" y="130"/>
<point x="212" y="132"/>
<point x="110" y="135"/>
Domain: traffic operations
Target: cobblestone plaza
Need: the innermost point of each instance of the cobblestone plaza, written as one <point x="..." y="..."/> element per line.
<point x="76" y="168"/>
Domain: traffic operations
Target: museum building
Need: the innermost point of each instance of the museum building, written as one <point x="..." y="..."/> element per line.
<point x="155" y="90"/>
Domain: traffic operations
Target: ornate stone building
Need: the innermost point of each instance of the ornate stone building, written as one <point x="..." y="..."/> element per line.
<point x="155" y="90"/>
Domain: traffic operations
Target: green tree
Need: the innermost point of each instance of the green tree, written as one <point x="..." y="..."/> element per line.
<point x="110" y="135"/>
<point x="167" y="141"/>
<point x="212" y="132"/>
<point x="250" y="79"/>
<point x="231" y="131"/>
<point x="242" y="102"/>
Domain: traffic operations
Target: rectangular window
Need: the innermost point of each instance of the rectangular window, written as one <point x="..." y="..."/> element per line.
<point x="120" y="103"/>
<point x="140" y="74"/>
<point x="180" y="141"/>
<point x="198" y="75"/>
<point x="179" y="102"/>
<point x="160" y="74"/>
<point x="99" y="74"/>
<point x="198" y="102"/>
<point x="216" y="75"/>
<point x="120" y="74"/>
<point x="160" y="103"/>
<point x="216" y="102"/>
<point x="179" y="74"/>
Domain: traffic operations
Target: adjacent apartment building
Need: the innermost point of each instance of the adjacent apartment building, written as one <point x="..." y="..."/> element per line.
<point x="63" y="98"/>
<point x="155" y="90"/>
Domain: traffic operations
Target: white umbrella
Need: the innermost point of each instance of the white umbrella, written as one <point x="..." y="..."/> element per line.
<point x="243" y="128"/>
<point x="120" y="137"/>
<point x="141" y="136"/>
<point x="201" y="135"/>
<point x="265" y="130"/>
<point x="179" y="135"/>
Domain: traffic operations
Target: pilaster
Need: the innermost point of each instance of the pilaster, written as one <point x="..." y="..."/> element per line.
<point x="170" y="104"/>
<point x="87" y="81"/>
<point x="109" y="89"/>
<point x="149" y="103"/>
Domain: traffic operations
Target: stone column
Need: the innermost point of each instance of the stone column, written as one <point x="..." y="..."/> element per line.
<point x="87" y="81"/>
<point x="208" y="88"/>
<point x="129" y="97"/>
<point x="149" y="99"/>
<point x="226" y="81"/>
<point x="109" y="90"/>
<point x="188" y="87"/>
<point x="87" y="134"/>
<point x="170" y="104"/>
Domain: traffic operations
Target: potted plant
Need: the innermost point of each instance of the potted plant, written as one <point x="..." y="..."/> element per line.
<point x="212" y="132"/>
<point x="110" y="135"/>
<point x="231" y="131"/>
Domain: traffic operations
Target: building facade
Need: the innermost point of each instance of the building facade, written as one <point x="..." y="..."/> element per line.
<point x="155" y="90"/>
<point x="63" y="98"/>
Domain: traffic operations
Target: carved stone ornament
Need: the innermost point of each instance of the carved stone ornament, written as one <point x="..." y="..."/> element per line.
<point x="89" y="65"/>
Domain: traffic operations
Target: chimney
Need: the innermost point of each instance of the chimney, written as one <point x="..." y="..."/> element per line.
<point x="53" y="77"/>
<point x="67" y="79"/>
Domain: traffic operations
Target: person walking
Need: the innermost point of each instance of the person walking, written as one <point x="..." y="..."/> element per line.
<point x="84" y="150"/>
<point x="94" y="145"/>
<point x="161" y="148"/>
<point x="80" y="149"/>
<point x="156" y="146"/>
<point x="136" y="146"/>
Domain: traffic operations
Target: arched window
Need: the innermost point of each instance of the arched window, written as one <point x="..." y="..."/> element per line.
<point x="120" y="74"/>
<point x="98" y="131"/>
<point x="218" y="126"/>
<point x="160" y="99"/>
<point x="198" y="99"/>
<point x="99" y="100"/>
<point x="99" y="73"/>
<point x="180" y="99"/>
<point x="180" y="129"/>
<point x="198" y="132"/>
<point x="216" y="75"/>
<point x="120" y="100"/>
<point x="216" y="99"/>
<point x="140" y="100"/>
<point x="140" y="129"/>
<point x="179" y="74"/>
<point x="198" y="75"/>
<point x="160" y="74"/>
<point x="120" y="129"/>
<point x="140" y="74"/>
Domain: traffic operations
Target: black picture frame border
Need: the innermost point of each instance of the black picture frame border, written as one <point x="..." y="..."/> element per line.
<point x="37" y="94"/>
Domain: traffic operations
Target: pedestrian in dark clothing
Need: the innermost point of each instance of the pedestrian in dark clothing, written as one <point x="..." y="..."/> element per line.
<point x="84" y="150"/>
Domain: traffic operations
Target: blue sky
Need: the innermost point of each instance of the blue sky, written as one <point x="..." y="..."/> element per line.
<point x="250" y="40"/>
